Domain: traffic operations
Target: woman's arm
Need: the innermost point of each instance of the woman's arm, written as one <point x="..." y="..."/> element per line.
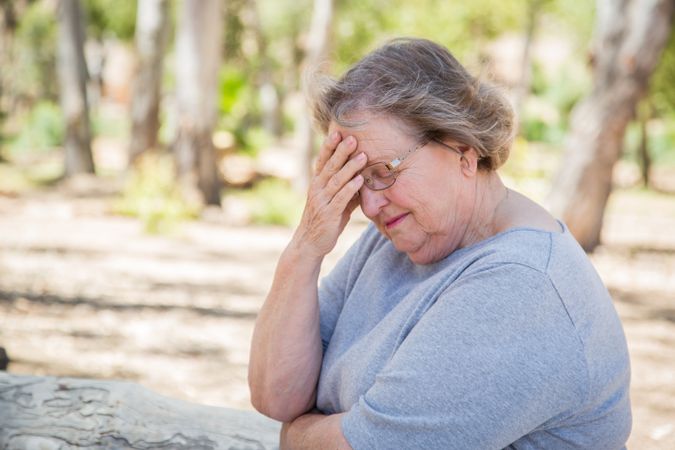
<point x="286" y="350"/>
<point x="312" y="431"/>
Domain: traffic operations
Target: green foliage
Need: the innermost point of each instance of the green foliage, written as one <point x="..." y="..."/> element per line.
<point x="111" y="17"/>
<point x="284" y="18"/>
<point x="111" y="125"/>
<point x="42" y="130"/>
<point x="234" y="30"/>
<point x="153" y="195"/>
<point x="239" y="112"/>
<point x="660" y="141"/>
<point x="12" y="179"/>
<point x="236" y="103"/>
<point x="662" y="88"/>
<point x="35" y="52"/>
<point x="21" y="173"/>
<point x="255" y="139"/>
<point x="234" y="87"/>
<point x="283" y="23"/>
<point x="546" y="114"/>
<point x="575" y="19"/>
<point x="274" y="202"/>
<point x="464" y="27"/>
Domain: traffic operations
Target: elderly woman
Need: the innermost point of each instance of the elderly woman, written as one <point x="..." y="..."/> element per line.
<point x="465" y="316"/>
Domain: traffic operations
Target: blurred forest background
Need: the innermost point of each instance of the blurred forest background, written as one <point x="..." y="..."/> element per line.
<point x="154" y="156"/>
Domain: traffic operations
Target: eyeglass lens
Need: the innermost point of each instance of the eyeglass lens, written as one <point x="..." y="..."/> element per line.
<point x="378" y="176"/>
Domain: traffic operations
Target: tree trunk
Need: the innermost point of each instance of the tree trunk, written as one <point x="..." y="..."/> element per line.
<point x="72" y="74"/>
<point x="268" y="95"/>
<point x="316" y="50"/>
<point x="8" y="24"/>
<point x="644" y="115"/>
<point x="522" y="90"/>
<point x="152" y="26"/>
<point x="47" y="412"/>
<point x="630" y="36"/>
<point x="198" y="49"/>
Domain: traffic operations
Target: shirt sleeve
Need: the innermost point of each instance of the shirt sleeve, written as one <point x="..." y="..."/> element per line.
<point x="493" y="358"/>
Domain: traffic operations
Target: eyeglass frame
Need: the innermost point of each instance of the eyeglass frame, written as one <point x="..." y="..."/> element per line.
<point x="394" y="163"/>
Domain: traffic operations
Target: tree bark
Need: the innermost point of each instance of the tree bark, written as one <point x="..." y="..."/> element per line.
<point x="198" y="50"/>
<point x="630" y="36"/>
<point x="47" y="412"/>
<point x="316" y="50"/>
<point x="152" y="26"/>
<point x="72" y="74"/>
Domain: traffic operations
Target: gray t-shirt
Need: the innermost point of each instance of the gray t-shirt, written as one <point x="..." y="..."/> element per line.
<point x="510" y="343"/>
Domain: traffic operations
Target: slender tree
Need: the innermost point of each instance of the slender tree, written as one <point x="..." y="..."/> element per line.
<point x="7" y="27"/>
<point x="630" y="36"/>
<point x="644" y="115"/>
<point x="316" y="49"/>
<point x="152" y="26"/>
<point x="270" y="103"/>
<point x="522" y="89"/>
<point x="72" y="74"/>
<point x="198" y="55"/>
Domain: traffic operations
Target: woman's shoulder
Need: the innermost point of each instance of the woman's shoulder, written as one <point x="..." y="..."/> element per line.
<point x="520" y="245"/>
<point x="523" y="212"/>
<point x="528" y="234"/>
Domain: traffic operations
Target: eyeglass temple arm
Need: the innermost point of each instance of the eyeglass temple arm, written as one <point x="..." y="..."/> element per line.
<point x="396" y="162"/>
<point x="450" y="147"/>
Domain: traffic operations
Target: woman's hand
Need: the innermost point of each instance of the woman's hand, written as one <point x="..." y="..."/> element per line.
<point x="332" y="195"/>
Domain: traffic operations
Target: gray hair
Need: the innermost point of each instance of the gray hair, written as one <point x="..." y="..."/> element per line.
<point x="420" y="83"/>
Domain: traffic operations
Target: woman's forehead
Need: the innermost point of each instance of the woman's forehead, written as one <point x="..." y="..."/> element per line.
<point x="377" y="136"/>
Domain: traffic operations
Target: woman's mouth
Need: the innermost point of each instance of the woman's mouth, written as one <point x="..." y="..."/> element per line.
<point x="389" y="224"/>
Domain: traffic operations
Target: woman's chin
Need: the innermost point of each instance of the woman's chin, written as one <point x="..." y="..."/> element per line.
<point x="421" y="258"/>
<point x="415" y="253"/>
<point x="420" y="254"/>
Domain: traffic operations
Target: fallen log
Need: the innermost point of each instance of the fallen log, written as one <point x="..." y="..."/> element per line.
<point x="69" y="413"/>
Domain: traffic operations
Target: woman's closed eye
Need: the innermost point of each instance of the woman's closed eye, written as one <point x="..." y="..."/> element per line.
<point x="378" y="176"/>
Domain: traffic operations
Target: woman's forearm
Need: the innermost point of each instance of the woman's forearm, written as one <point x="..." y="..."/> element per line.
<point x="286" y="348"/>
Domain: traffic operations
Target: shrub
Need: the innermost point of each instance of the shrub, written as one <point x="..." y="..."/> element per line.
<point x="43" y="129"/>
<point x="153" y="195"/>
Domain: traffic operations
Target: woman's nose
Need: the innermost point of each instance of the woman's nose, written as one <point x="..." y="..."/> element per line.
<point x="372" y="201"/>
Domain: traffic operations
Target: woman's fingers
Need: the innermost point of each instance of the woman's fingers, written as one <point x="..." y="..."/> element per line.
<point x="348" y="171"/>
<point x="330" y="200"/>
<point x="337" y="159"/>
<point x="327" y="148"/>
<point x="341" y="167"/>
<point x="345" y="199"/>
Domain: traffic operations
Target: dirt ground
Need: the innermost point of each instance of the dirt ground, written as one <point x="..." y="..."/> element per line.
<point x="87" y="294"/>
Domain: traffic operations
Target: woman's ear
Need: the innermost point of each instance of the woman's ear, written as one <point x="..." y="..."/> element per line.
<point x="468" y="161"/>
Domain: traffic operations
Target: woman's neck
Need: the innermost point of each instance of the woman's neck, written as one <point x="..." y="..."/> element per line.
<point x="489" y="206"/>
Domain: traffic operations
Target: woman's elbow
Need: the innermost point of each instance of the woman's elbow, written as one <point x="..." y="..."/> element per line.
<point x="279" y="409"/>
<point x="275" y="410"/>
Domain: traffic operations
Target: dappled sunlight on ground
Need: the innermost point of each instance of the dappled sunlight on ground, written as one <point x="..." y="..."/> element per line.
<point x="87" y="294"/>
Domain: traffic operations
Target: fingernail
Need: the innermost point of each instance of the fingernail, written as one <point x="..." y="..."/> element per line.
<point x="351" y="140"/>
<point x="361" y="156"/>
<point x="335" y="135"/>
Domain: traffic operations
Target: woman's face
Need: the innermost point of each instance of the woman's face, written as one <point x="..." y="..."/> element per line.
<point x="425" y="213"/>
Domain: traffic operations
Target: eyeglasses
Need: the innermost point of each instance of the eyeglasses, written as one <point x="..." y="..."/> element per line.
<point x="382" y="175"/>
